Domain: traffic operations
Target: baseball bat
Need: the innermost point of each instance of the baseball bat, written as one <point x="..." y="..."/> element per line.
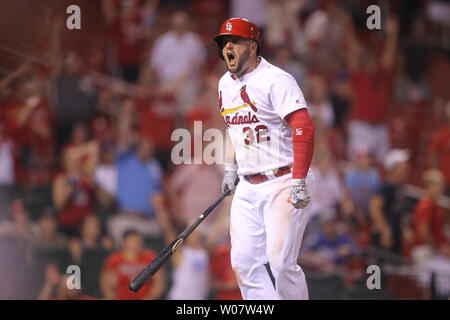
<point x="167" y="252"/>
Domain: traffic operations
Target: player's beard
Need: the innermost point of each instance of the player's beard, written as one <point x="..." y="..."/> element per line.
<point x="243" y="59"/>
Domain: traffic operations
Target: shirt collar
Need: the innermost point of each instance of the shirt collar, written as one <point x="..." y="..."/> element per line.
<point x="262" y="62"/>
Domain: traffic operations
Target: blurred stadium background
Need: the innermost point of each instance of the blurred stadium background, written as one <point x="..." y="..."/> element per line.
<point x="86" y="118"/>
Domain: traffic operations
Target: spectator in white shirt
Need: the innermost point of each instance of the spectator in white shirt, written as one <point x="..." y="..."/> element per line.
<point x="177" y="57"/>
<point x="105" y="176"/>
<point x="330" y="193"/>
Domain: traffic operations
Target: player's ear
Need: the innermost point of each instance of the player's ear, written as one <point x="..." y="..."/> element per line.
<point x="253" y="45"/>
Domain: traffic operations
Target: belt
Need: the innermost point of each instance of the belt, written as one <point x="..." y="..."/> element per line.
<point x="262" y="177"/>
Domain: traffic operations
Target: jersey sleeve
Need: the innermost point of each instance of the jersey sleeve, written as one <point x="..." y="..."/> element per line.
<point x="286" y="96"/>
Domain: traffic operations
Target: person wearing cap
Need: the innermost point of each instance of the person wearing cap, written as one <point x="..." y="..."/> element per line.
<point x="388" y="206"/>
<point x="429" y="218"/>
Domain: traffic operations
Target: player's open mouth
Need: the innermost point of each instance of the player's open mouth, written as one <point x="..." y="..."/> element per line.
<point x="231" y="58"/>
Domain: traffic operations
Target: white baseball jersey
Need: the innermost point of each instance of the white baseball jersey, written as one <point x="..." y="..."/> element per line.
<point x="253" y="108"/>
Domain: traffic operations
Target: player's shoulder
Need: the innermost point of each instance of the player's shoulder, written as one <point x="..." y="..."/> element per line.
<point x="225" y="80"/>
<point x="272" y="73"/>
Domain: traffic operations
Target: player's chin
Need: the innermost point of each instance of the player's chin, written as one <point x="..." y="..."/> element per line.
<point x="233" y="68"/>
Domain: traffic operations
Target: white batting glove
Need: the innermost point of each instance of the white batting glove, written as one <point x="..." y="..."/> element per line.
<point x="299" y="195"/>
<point x="229" y="180"/>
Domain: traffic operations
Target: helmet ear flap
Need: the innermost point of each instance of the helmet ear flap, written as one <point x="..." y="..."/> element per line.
<point x="219" y="43"/>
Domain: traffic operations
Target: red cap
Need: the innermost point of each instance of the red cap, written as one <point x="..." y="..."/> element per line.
<point x="238" y="27"/>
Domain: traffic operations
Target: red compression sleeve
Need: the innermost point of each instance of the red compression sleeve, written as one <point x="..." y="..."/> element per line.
<point x="302" y="141"/>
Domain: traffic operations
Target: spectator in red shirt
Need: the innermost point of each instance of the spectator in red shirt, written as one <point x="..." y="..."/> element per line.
<point x="122" y="266"/>
<point x="73" y="194"/>
<point x="370" y="80"/>
<point x="156" y="114"/>
<point x="440" y="150"/>
<point x="80" y="146"/>
<point x="128" y="21"/>
<point x="429" y="218"/>
<point x="28" y="121"/>
<point x="223" y="278"/>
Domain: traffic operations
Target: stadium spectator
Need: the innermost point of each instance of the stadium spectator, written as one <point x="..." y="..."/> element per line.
<point x="362" y="180"/>
<point x="223" y="279"/>
<point x="106" y="178"/>
<point x="139" y="180"/>
<point x="331" y="190"/>
<point x="435" y="276"/>
<point x="429" y="218"/>
<point x="190" y="262"/>
<point x="329" y="249"/>
<point x="56" y="288"/>
<point x="282" y="24"/>
<point x="74" y="95"/>
<point x="157" y="107"/>
<point x="49" y="236"/>
<point x="371" y="82"/>
<point x="123" y="265"/>
<point x="127" y="21"/>
<point x="29" y="123"/>
<point x="73" y="194"/>
<point x="319" y="103"/>
<point x="7" y="177"/>
<point x="440" y="150"/>
<point x="177" y="57"/>
<point x="80" y="146"/>
<point x="91" y="235"/>
<point x="19" y="227"/>
<point x="191" y="190"/>
<point x="416" y="49"/>
<point x="284" y="59"/>
<point x="388" y="205"/>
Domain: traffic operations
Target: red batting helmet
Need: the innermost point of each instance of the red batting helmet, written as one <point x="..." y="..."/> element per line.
<point x="237" y="27"/>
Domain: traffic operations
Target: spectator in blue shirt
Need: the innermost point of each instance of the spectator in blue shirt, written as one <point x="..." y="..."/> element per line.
<point x="329" y="249"/>
<point x="139" y="181"/>
<point x="139" y="178"/>
<point x="362" y="181"/>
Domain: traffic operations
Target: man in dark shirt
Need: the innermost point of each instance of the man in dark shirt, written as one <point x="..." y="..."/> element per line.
<point x="388" y="206"/>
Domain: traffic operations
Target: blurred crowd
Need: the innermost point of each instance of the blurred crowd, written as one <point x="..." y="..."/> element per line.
<point x="86" y="176"/>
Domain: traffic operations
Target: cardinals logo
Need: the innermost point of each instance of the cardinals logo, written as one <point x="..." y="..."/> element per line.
<point x="239" y="118"/>
<point x="246" y="99"/>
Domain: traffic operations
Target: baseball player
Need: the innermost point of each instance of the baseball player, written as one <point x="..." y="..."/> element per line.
<point x="272" y="139"/>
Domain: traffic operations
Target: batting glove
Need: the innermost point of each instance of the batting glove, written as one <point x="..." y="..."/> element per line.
<point x="299" y="195"/>
<point x="229" y="181"/>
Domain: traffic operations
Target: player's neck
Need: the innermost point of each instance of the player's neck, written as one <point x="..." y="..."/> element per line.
<point x="253" y="64"/>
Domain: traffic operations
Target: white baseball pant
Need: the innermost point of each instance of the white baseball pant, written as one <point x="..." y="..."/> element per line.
<point x="265" y="227"/>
